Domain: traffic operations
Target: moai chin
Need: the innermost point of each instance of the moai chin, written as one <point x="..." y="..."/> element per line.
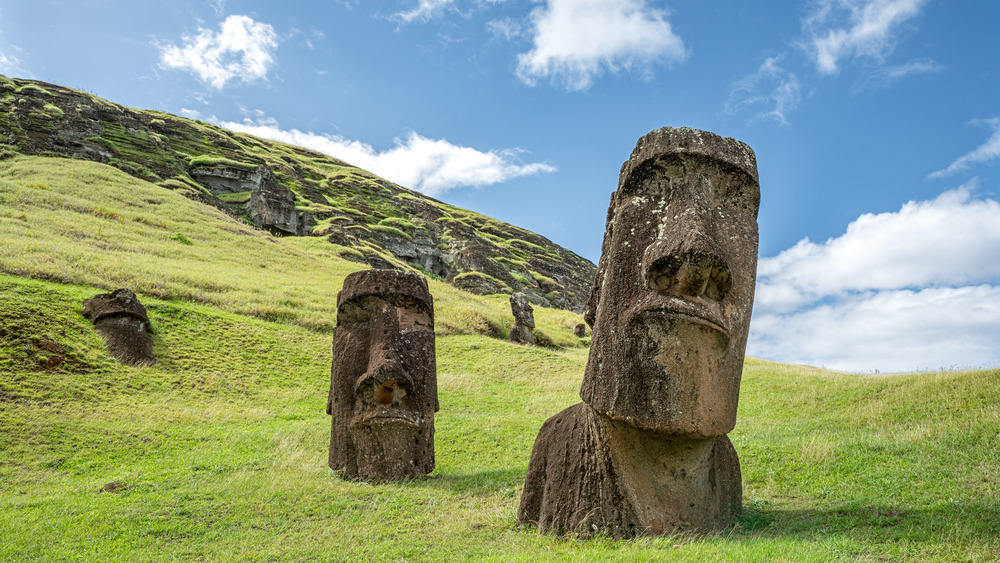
<point x="524" y="319"/>
<point x="383" y="383"/>
<point x="646" y="452"/>
<point x="121" y="320"/>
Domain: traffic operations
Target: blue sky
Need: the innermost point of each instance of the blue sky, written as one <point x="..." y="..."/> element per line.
<point x="876" y="125"/>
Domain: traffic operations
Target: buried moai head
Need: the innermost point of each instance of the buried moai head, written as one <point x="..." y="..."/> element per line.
<point x="383" y="385"/>
<point x="122" y="321"/>
<point x="670" y="308"/>
<point x="524" y="319"/>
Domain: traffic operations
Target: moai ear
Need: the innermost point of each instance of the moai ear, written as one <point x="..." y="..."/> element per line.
<point x="595" y="293"/>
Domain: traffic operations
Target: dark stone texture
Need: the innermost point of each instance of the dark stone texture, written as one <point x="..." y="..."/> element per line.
<point x="580" y="330"/>
<point x="646" y="452"/>
<point x="589" y="474"/>
<point x="524" y="319"/>
<point x="383" y="384"/>
<point x="121" y="320"/>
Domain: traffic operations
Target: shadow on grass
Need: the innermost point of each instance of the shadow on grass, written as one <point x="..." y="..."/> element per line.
<point x="478" y="483"/>
<point x="971" y="521"/>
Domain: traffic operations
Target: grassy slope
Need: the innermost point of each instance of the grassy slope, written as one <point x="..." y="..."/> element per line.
<point x="222" y="443"/>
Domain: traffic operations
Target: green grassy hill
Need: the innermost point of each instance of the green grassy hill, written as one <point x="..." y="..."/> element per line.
<point x="293" y="191"/>
<point x="219" y="449"/>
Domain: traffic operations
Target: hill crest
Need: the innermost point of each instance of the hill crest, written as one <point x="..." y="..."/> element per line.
<point x="293" y="191"/>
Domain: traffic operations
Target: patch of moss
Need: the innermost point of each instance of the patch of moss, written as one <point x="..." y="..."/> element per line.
<point x="391" y="230"/>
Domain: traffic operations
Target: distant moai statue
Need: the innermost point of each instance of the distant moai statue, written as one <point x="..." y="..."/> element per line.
<point x="646" y="452"/>
<point x="383" y="382"/>
<point x="524" y="319"/>
<point x="121" y="320"/>
<point x="580" y="330"/>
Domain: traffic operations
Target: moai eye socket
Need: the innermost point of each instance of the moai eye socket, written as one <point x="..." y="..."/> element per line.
<point x="356" y="311"/>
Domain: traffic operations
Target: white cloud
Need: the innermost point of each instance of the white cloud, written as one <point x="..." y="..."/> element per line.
<point x="242" y="49"/>
<point x="575" y="41"/>
<point x="908" y="290"/>
<point x="430" y="166"/>
<point x="984" y="154"/>
<point x="844" y="29"/>
<point x="772" y="86"/>
<point x="890" y="331"/>
<point x="423" y="11"/>
<point x="885" y="76"/>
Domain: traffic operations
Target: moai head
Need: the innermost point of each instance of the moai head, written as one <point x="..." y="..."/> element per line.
<point x="520" y="307"/>
<point x="670" y="308"/>
<point x="122" y="321"/>
<point x="383" y="386"/>
<point x="524" y="319"/>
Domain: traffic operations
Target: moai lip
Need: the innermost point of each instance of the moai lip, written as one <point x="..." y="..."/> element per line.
<point x="646" y="451"/>
<point x="383" y="383"/>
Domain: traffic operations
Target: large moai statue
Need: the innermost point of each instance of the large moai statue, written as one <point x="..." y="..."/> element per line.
<point x="121" y="320"/>
<point x="383" y="383"/>
<point x="646" y="451"/>
<point x="524" y="319"/>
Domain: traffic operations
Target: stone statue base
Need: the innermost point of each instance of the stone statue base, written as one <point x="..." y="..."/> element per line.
<point x="589" y="474"/>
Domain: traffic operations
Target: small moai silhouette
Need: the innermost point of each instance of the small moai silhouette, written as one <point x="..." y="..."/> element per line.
<point x="524" y="319"/>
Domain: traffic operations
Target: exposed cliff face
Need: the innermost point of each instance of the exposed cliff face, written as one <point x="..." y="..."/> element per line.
<point x="292" y="191"/>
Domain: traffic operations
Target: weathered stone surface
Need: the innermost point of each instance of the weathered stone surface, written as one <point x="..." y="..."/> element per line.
<point x="524" y="319"/>
<point x="383" y="384"/>
<point x="589" y="474"/>
<point x="224" y="178"/>
<point x="646" y="451"/>
<point x="274" y="210"/>
<point x="121" y="320"/>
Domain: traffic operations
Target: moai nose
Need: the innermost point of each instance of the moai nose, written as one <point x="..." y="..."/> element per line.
<point x="687" y="262"/>
<point x="386" y="381"/>
<point x="386" y="384"/>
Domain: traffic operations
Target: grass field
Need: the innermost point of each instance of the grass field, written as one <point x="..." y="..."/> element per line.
<point x="219" y="449"/>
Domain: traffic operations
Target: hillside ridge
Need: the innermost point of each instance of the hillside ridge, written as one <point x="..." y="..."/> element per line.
<point x="293" y="191"/>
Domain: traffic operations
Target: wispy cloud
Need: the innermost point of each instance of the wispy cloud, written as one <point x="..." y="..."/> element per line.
<point x="772" y="87"/>
<point x="506" y="28"/>
<point x="885" y="76"/>
<point x="848" y="29"/>
<point x="423" y="11"/>
<point x="576" y="41"/>
<point x="10" y="65"/>
<point x="912" y="289"/>
<point x="219" y="6"/>
<point x="241" y="49"/>
<point x="430" y="166"/>
<point x="984" y="154"/>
